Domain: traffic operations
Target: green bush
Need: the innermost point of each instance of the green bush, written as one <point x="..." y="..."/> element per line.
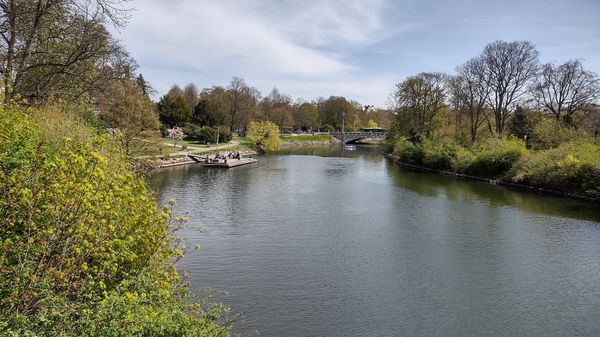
<point x="463" y="158"/>
<point x="438" y="155"/>
<point x="206" y="134"/>
<point x="495" y="157"/>
<point x="327" y="128"/>
<point x="265" y="135"/>
<point x="84" y="250"/>
<point x="225" y="136"/>
<point x="550" y="133"/>
<point x="191" y="131"/>
<point x="409" y="152"/>
<point x="571" y="166"/>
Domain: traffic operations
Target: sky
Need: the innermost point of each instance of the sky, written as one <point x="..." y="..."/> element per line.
<point x="354" y="48"/>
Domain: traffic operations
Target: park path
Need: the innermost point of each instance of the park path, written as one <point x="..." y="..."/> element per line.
<point x="195" y="150"/>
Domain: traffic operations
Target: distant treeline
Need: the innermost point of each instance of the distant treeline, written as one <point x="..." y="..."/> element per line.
<point x="236" y="105"/>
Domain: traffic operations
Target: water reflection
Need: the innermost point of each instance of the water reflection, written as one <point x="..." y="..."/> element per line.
<point x="320" y="242"/>
<point x="435" y="185"/>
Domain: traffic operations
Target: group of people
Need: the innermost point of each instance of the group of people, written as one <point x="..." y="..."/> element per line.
<point x="230" y="155"/>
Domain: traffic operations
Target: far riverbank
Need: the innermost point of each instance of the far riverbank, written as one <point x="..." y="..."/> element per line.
<point x="501" y="182"/>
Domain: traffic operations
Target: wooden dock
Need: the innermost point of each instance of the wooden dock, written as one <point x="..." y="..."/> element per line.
<point x="228" y="163"/>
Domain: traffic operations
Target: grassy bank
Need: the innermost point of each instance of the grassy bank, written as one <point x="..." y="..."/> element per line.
<point x="572" y="167"/>
<point x="84" y="249"/>
<point x="305" y="138"/>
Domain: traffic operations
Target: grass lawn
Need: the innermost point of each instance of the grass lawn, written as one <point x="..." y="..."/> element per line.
<point x="305" y="138"/>
<point x="186" y="142"/>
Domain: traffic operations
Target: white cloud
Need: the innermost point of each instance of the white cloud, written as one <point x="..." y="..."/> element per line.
<point x="243" y="34"/>
<point x="261" y="40"/>
<point x="353" y="48"/>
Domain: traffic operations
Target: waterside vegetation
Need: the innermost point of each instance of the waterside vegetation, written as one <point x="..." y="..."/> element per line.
<point x="503" y="116"/>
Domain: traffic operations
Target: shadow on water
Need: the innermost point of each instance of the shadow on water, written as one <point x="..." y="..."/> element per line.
<point x="435" y="185"/>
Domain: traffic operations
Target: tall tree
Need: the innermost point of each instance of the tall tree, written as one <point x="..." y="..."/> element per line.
<point x="173" y="111"/>
<point x="305" y="116"/>
<point x="147" y="89"/>
<point x="241" y="103"/>
<point x="419" y="99"/>
<point x="276" y="107"/>
<point x="469" y="93"/>
<point x="565" y="89"/>
<point x="508" y="69"/>
<point x="128" y="113"/>
<point x="60" y="47"/>
<point x="211" y="109"/>
<point x="176" y="92"/>
<point x="336" y="112"/>
<point x="190" y="94"/>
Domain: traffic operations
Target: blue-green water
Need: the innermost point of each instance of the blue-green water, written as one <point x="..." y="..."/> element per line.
<point x="329" y="243"/>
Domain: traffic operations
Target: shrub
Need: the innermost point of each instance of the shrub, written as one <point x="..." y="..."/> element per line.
<point x="495" y="157"/>
<point x="463" y="158"/>
<point x="573" y="166"/>
<point x="550" y="133"/>
<point x="327" y="128"/>
<point x="432" y="154"/>
<point x="438" y="155"/>
<point x="83" y="248"/>
<point x="265" y="135"/>
<point x="191" y="131"/>
<point x="408" y="151"/>
<point x="225" y="135"/>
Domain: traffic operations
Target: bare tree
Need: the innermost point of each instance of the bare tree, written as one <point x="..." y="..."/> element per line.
<point x="469" y="93"/>
<point x="241" y="100"/>
<point x="565" y="89"/>
<point x="509" y="67"/>
<point x="276" y="107"/>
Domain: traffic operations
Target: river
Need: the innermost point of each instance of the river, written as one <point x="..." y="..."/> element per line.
<point x="325" y="242"/>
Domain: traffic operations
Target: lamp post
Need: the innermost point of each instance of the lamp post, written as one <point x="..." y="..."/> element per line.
<point x="343" y="127"/>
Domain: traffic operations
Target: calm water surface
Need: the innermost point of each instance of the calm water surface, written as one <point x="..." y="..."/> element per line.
<point x="331" y="243"/>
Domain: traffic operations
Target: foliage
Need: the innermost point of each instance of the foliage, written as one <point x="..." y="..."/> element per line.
<point x="129" y="112"/>
<point x="521" y="124"/>
<point x="305" y="116"/>
<point x="432" y="154"/>
<point x="491" y="157"/>
<point x="265" y="135"/>
<point x="495" y="156"/>
<point x="572" y="166"/>
<point x="208" y="111"/>
<point x="371" y="123"/>
<point x="419" y="100"/>
<point x="206" y="134"/>
<point x="327" y="128"/>
<point x="84" y="251"/>
<point x="549" y="133"/>
<point x="173" y="111"/>
<point x="225" y="135"/>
